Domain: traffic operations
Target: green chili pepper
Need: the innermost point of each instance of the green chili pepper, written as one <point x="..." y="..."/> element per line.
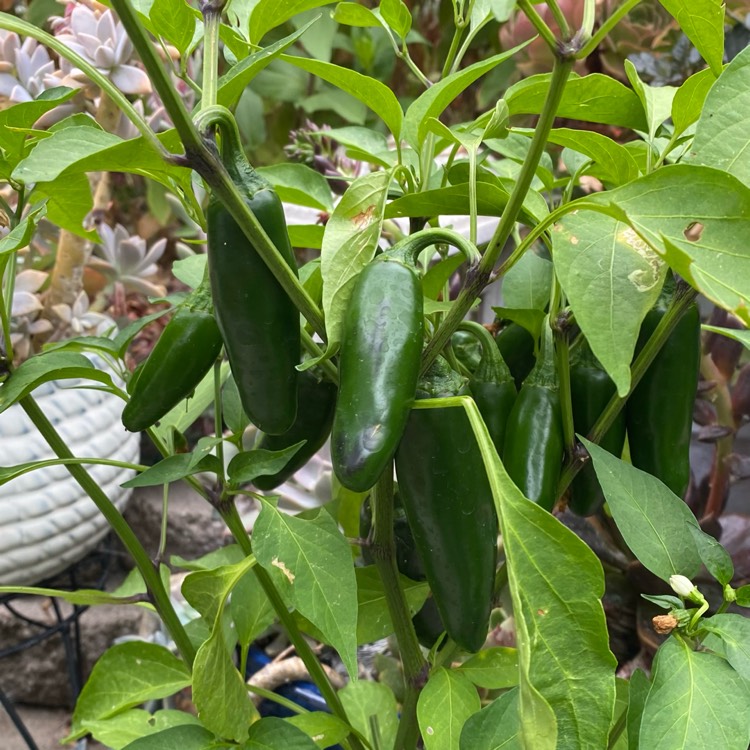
<point x="660" y="408"/>
<point x="467" y="349"/>
<point x="427" y="623"/>
<point x="381" y="345"/>
<point x="591" y="390"/>
<point x="516" y="345"/>
<point x="315" y="403"/>
<point x="258" y="322"/>
<point x="491" y="385"/>
<point x="449" y="505"/>
<point x="534" y="443"/>
<point x="181" y="358"/>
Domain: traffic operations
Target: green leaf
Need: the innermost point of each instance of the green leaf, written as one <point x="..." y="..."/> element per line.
<point x="696" y="701"/>
<point x="721" y="138"/>
<point x="614" y="163"/>
<point x="653" y="521"/>
<point x="445" y="703"/>
<point x="115" y="686"/>
<point x="120" y="730"/>
<point x="353" y="14"/>
<point x="248" y="465"/>
<point x="492" y="668"/>
<point x="174" y="21"/>
<point x="228" y="555"/>
<point x="46" y="367"/>
<point x="699" y="219"/>
<point x="176" y="738"/>
<point x="639" y="688"/>
<point x="439" y="274"/>
<point x="271" y="733"/>
<point x="620" y="717"/>
<point x="689" y="101"/>
<point x="734" y="631"/>
<point x="80" y="597"/>
<point x="555" y="583"/>
<point x="593" y="98"/>
<point x="311" y="563"/>
<point x="268" y="14"/>
<point x="495" y="727"/>
<point x="235" y="80"/>
<point x="434" y="101"/>
<point x="702" y="22"/>
<point x="656" y="100"/>
<point x="742" y="336"/>
<point x="612" y="278"/>
<point x="190" y="270"/>
<point x="349" y="243"/>
<point x="743" y="596"/>
<point x="219" y="691"/>
<point x="364" y="144"/>
<point x="371" y="92"/>
<point x="324" y="728"/>
<point x="298" y="183"/>
<point x="374" y="620"/>
<point x="252" y="612"/>
<point x="69" y="203"/>
<point x="21" y="234"/>
<point x="171" y="469"/>
<point x="527" y="285"/>
<point x="717" y="560"/>
<point x="396" y="14"/>
<point x="363" y="700"/>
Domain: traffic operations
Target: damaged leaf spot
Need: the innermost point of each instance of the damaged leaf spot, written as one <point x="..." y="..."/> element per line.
<point x="643" y="279"/>
<point x="363" y="218"/>
<point x="283" y="568"/>
<point x="693" y="232"/>
<point x="542" y="612"/>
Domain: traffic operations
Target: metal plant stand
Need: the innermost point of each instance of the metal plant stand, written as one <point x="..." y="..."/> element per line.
<point x="91" y="572"/>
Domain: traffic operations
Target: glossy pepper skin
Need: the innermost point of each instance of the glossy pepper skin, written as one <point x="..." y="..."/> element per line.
<point x="449" y="506"/>
<point x="181" y="358"/>
<point x="467" y="349"/>
<point x="258" y="322"/>
<point x="516" y="345"/>
<point x="379" y="365"/>
<point x="534" y="442"/>
<point x="491" y="385"/>
<point x="591" y="390"/>
<point x="316" y="399"/>
<point x="427" y="623"/>
<point x="660" y="409"/>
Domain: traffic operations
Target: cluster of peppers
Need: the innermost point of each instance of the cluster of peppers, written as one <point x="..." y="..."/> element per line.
<point x="445" y="506"/>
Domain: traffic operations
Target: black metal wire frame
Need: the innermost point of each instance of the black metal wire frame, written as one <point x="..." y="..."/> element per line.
<point x="66" y="626"/>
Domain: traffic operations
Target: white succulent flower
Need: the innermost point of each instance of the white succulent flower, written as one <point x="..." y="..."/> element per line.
<point x="80" y="320"/>
<point x="101" y="39"/>
<point x="124" y="258"/>
<point x="26" y="69"/>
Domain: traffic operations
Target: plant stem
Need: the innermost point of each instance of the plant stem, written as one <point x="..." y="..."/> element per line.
<point x="562" y="355"/>
<point x="147" y="569"/>
<point x="231" y="517"/>
<point x="538" y="23"/>
<point x="384" y="554"/>
<point x="478" y="280"/>
<point x="211" y="26"/>
<point x="559" y="17"/>
<point x="677" y="308"/>
<point x="605" y="28"/>
<point x="218" y="419"/>
<point x="314" y="350"/>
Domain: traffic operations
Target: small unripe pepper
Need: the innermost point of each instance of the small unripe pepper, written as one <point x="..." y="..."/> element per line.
<point x="184" y="353"/>
<point x="516" y="345"/>
<point x="492" y="386"/>
<point x="534" y="442"/>
<point x="448" y="502"/>
<point x="315" y="403"/>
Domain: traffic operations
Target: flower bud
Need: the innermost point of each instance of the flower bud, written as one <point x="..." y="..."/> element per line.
<point x="682" y="586"/>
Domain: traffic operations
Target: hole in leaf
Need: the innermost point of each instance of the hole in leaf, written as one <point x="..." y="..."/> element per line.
<point x="693" y="232"/>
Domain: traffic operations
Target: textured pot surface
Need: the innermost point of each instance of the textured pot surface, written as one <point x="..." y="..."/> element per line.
<point x="47" y="522"/>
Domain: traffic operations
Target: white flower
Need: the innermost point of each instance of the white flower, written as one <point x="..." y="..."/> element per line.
<point x="26" y="69"/>
<point x="79" y="319"/>
<point x="126" y="260"/>
<point x="682" y="586"/>
<point x="102" y="41"/>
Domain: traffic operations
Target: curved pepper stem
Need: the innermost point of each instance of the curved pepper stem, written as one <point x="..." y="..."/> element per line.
<point x="492" y="367"/>
<point x="408" y="249"/>
<point x="544" y="373"/>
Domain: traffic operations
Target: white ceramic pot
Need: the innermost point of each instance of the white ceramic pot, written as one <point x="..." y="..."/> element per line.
<point x="47" y="522"/>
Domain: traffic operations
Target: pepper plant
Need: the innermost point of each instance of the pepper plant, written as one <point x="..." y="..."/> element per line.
<point x="600" y="282"/>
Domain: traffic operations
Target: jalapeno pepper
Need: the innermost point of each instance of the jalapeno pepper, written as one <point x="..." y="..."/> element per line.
<point x="181" y="358"/>
<point x="591" y="390"/>
<point x="315" y="403"/>
<point x="258" y="322"/>
<point x="491" y="385"/>
<point x="516" y="345"/>
<point x="449" y="505"/>
<point x="534" y="443"/>
<point x="660" y="409"/>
